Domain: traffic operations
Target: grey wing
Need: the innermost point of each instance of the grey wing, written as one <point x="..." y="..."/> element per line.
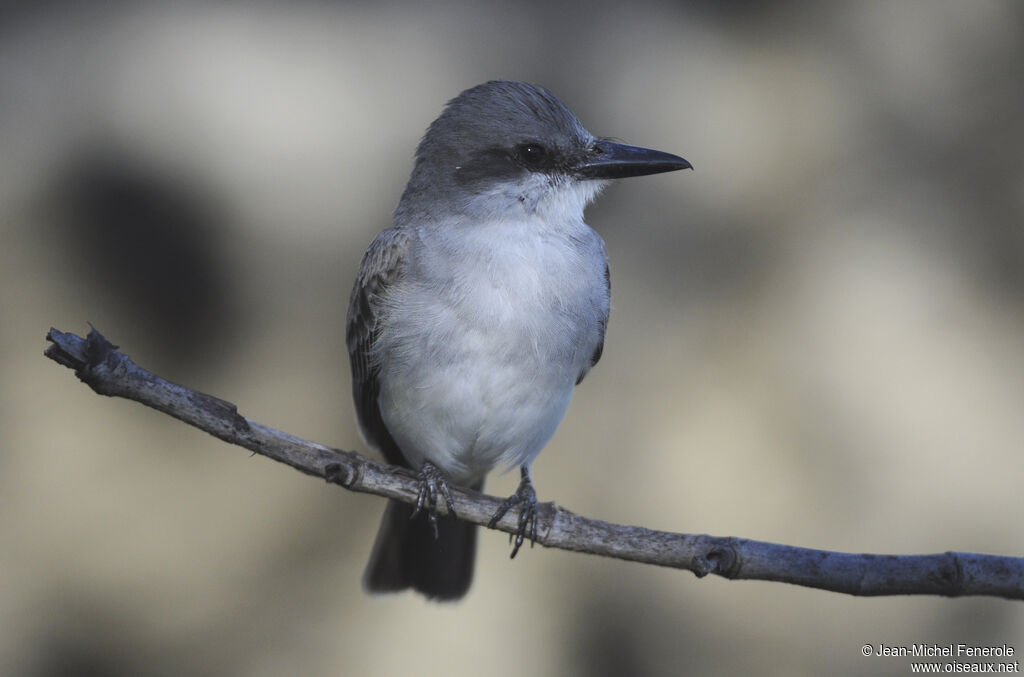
<point x="382" y="266"/>
<point x="599" y="348"/>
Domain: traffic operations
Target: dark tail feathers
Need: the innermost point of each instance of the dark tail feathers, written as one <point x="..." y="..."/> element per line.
<point x="406" y="555"/>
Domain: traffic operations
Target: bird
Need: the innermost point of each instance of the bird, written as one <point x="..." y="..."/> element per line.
<point x="475" y="315"/>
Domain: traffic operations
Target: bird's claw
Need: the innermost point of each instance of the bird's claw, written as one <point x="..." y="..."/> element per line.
<point x="527" y="526"/>
<point x="432" y="485"/>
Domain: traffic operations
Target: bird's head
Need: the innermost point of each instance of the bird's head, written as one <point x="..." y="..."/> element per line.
<point x="504" y="149"/>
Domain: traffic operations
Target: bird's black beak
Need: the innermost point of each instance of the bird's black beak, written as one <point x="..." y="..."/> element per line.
<point x="610" y="160"/>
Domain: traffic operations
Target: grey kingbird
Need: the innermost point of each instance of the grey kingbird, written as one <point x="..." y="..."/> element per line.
<point x="476" y="314"/>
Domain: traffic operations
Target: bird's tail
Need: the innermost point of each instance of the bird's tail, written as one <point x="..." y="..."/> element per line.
<point x="406" y="555"/>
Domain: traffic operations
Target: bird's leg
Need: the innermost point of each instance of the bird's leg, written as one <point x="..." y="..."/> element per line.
<point x="527" y="514"/>
<point x="432" y="483"/>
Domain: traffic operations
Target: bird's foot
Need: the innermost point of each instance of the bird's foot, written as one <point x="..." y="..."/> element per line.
<point x="432" y="486"/>
<point x="527" y="513"/>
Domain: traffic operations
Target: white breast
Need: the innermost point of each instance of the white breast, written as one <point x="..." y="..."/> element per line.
<point x="481" y="349"/>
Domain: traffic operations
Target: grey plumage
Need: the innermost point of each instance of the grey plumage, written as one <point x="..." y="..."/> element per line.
<point x="476" y="314"/>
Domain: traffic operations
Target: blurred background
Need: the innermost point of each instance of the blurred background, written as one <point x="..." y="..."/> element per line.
<point x="817" y="337"/>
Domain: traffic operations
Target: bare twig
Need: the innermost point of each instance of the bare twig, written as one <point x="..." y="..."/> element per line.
<point x="98" y="364"/>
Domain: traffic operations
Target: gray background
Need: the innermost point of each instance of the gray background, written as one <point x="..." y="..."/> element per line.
<point x="816" y="336"/>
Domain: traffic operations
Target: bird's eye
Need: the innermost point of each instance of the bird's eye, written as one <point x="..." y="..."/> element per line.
<point x="531" y="154"/>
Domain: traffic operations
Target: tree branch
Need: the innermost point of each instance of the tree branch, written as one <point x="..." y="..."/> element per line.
<point x="97" y="363"/>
